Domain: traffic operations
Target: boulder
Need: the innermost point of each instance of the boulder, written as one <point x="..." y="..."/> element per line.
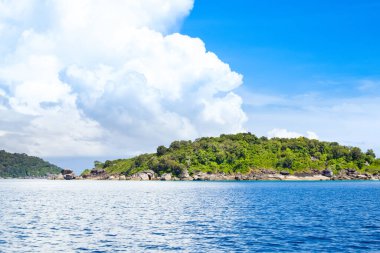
<point x="97" y="172"/>
<point x="145" y="175"/>
<point x="66" y="171"/>
<point x="151" y="174"/>
<point x="327" y="173"/>
<point x="122" y="177"/>
<point x="184" y="174"/>
<point x="351" y="172"/>
<point x="201" y="176"/>
<point x="238" y="177"/>
<point x="68" y="174"/>
<point x="57" y="177"/>
<point x="362" y="177"/>
<point x="166" y="177"/>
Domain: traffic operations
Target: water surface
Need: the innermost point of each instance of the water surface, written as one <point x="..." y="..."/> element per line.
<point x="125" y="216"/>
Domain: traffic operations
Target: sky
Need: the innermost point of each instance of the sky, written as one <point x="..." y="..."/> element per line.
<point x="94" y="79"/>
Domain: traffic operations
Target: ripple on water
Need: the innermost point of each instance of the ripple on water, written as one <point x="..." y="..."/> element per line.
<point x="106" y="216"/>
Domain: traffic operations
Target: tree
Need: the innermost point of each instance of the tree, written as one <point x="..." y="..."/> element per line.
<point x="356" y="154"/>
<point x="161" y="150"/>
<point x="370" y="153"/>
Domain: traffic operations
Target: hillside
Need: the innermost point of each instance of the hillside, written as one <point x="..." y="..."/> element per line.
<point x="22" y="165"/>
<point x="243" y="153"/>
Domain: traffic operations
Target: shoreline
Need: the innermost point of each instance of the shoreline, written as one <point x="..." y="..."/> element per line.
<point x="264" y="175"/>
<point x="299" y="179"/>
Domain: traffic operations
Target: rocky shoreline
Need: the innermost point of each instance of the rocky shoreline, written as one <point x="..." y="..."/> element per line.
<point x="257" y="175"/>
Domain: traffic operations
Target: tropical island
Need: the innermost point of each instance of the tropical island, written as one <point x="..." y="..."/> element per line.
<point x="243" y="156"/>
<point x="24" y="166"/>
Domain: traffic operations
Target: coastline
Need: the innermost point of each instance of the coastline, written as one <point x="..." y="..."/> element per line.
<point x="263" y="175"/>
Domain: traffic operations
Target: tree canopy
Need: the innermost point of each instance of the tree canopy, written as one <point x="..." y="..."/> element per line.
<point x="244" y="152"/>
<point x="22" y="165"/>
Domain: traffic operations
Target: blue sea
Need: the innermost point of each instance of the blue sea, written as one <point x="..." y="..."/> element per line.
<point x="126" y="216"/>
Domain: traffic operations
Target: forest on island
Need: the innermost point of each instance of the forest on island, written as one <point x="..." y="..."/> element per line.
<point x="244" y="152"/>
<point x="24" y="166"/>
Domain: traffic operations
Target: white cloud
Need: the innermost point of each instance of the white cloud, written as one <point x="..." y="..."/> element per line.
<point x="97" y="77"/>
<point x="352" y="121"/>
<point x="284" y="133"/>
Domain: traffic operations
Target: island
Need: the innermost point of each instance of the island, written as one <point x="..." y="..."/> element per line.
<point x="14" y="165"/>
<point x="243" y="156"/>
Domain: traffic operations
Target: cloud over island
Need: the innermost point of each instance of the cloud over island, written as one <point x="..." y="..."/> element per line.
<point x="97" y="77"/>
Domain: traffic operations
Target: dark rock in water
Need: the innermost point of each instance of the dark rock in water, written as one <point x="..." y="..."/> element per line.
<point x="327" y="173"/>
<point x="68" y="174"/>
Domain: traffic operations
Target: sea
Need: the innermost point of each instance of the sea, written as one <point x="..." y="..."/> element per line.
<point x="154" y="216"/>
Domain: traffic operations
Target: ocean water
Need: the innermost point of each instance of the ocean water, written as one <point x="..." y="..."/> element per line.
<point x="125" y="216"/>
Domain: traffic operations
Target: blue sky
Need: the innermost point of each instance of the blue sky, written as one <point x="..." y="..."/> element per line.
<point x="181" y="69"/>
<point x="292" y="47"/>
<point x="307" y="65"/>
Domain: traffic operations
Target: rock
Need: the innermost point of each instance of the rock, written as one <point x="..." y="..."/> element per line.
<point x="189" y="178"/>
<point x="122" y="177"/>
<point x="279" y="177"/>
<point x="145" y="175"/>
<point x="184" y="174"/>
<point x="285" y="173"/>
<point x="69" y="176"/>
<point x="151" y="174"/>
<point x="57" y="177"/>
<point x="201" y="176"/>
<point x="351" y="172"/>
<point x="362" y="177"/>
<point x="166" y="177"/>
<point x="66" y="171"/>
<point x="327" y="173"/>
<point x="214" y="177"/>
<point x="97" y="172"/>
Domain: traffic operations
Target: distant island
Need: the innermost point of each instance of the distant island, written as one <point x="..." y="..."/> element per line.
<point x="243" y="156"/>
<point x="24" y="166"/>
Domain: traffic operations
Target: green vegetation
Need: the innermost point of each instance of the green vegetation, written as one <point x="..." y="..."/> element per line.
<point x="22" y="165"/>
<point x="244" y="152"/>
<point x="86" y="172"/>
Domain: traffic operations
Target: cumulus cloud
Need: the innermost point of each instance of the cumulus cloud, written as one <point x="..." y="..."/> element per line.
<point x="284" y="133"/>
<point x="97" y="77"/>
